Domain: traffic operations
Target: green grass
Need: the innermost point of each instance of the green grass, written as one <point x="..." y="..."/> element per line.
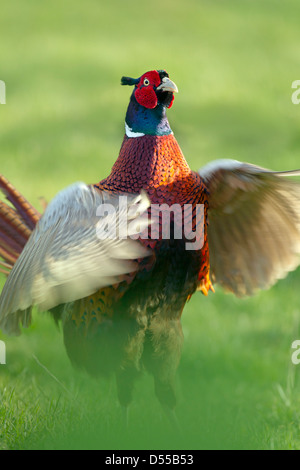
<point x="234" y="63"/>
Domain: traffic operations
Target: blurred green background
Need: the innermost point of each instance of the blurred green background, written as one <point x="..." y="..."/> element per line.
<point x="234" y="63"/>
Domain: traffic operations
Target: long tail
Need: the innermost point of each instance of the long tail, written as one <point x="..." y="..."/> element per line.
<point x="17" y="221"/>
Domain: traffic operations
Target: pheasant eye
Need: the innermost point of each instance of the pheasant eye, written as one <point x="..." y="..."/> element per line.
<point x="146" y="82"/>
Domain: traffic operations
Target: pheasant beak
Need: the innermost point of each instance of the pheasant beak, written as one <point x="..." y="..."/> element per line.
<point x="167" y="85"/>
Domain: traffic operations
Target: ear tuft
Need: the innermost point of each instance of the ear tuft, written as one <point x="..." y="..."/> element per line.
<point x="129" y="81"/>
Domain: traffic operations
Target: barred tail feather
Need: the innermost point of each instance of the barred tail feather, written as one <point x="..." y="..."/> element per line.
<point x="5" y="268"/>
<point x="16" y="225"/>
<point x="27" y="212"/>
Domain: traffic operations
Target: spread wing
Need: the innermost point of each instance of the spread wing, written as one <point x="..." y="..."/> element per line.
<point x="73" y="252"/>
<point x="254" y="225"/>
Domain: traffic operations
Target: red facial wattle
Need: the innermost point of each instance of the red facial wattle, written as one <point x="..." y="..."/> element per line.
<point x="146" y="97"/>
<point x="145" y="93"/>
<point x="172" y="101"/>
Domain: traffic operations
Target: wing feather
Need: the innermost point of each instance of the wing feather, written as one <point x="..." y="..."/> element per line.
<point x="65" y="259"/>
<point x="254" y="225"/>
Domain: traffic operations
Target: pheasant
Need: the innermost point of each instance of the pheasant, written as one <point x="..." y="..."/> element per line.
<point x="120" y="298"/>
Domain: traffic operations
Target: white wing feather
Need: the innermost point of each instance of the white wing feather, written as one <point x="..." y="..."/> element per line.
<point x="64" y="260"/>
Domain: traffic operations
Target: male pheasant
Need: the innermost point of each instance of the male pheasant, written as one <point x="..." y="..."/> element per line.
<point x="120" y="299"/>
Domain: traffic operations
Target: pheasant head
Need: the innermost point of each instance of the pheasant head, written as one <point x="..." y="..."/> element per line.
<point x="146" y="114"/>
